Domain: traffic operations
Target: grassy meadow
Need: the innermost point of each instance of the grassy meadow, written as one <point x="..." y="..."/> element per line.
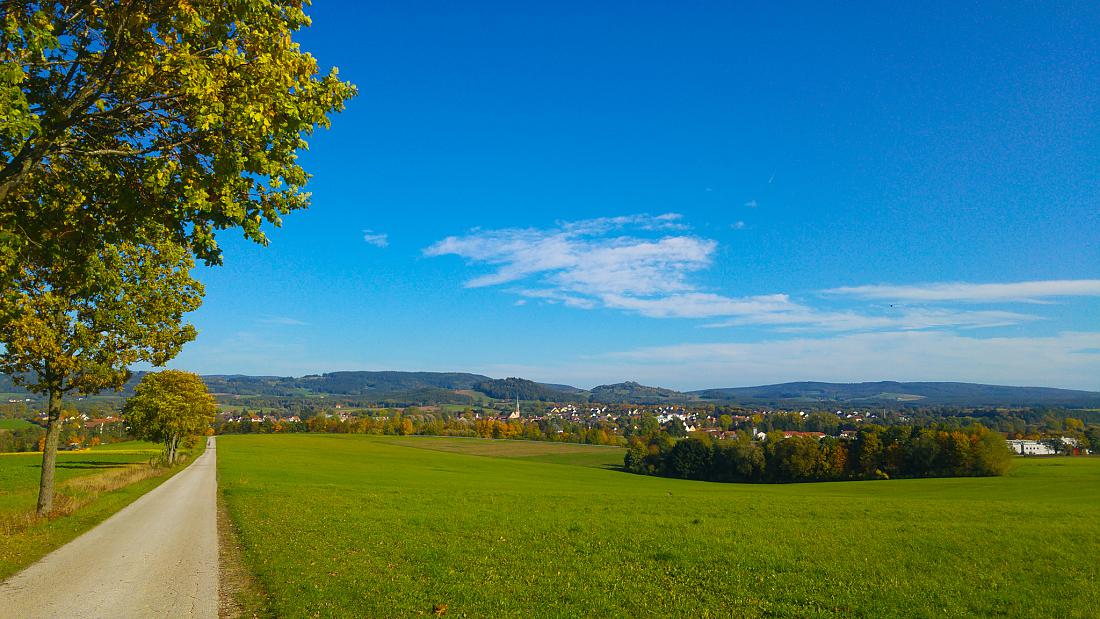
<point x="91" y="485"/>
<point x="14" y="424"/>
<point x="347" y="525"/>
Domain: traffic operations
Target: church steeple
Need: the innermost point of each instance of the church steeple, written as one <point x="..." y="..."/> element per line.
<point x="515" y="413"/>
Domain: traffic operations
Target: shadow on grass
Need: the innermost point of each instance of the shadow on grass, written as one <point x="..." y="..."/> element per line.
<point x="91" y="464"/>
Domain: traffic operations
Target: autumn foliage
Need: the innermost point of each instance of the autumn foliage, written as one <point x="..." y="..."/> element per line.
<point x="875" y="453"/>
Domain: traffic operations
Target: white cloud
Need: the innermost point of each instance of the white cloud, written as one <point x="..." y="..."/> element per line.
<point x="805" y="319"/>
<point x="1032" y="291"/>
<point x="602" y="262"/>
<point x="739" y="225"/>
<point x="751" y="204"/>
<point x="706" y="305"/>
<point x="1070" y="360"/>
<point x="378" y="239"/>
<point x="556" y="296"/>
<point x="635" y="263"/>
<point x="257" y="353"/>
<point x="282" y="320"/>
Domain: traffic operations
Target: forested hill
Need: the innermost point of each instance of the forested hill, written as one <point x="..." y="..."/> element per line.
<point x="464" y="388"/>
<point x="370" y="384"/>
<point x="365" y="383"/>
<point x="510" y="388"/>
<point x="640" y="394"/>
<point x="907" y="393"/>
<point x="381" y="387"/>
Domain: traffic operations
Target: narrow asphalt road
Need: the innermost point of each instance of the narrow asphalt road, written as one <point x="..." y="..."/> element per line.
<point x="157" y="557"/>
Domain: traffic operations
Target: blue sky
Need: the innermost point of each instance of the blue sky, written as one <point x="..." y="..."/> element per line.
<point x="688" y="194"/>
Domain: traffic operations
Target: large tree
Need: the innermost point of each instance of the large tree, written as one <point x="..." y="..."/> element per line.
<point x="169" y="407"/>
<point x="115" y="114"/>
<point x="78" y="327"/>
<point x="130" y="127"/>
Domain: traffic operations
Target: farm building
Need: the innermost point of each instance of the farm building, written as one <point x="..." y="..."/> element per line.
<point x="1030" y="448"/>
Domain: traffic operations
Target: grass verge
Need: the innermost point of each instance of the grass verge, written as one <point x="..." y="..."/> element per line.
<point x="240" y="595"/>
<point x="92" y="485"/>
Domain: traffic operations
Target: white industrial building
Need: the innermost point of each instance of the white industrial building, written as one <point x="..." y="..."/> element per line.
<point x="1030" y="448"/>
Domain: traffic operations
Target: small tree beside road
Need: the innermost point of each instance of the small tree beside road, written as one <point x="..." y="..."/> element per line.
<point x="168" y="407"/>
<point x="75" y="328"/>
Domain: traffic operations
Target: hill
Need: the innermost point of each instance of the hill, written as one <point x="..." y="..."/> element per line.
<point x="903" y="393"/>
<point x="407" y="388"/>
<point x="524" y="389"/>
<point x="638" y="394"/>
<point x="372" y="384"/>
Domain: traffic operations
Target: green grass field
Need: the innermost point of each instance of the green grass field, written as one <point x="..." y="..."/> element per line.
<point x="87" y="478"/>
<point x="14" y="424"/>
<point x="337" y="526"/>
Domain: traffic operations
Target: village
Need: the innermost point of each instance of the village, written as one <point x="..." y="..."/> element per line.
<point x="625" y="420"/>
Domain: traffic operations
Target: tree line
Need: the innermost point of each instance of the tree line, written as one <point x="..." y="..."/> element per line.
<point x="427" y="424"/>
<point x="21" y="439"/>
<point x="875" y="453"/>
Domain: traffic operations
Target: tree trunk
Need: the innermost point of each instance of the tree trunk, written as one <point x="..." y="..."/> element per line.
<point x="49" y="452"/>
<point x="172" y="445"/>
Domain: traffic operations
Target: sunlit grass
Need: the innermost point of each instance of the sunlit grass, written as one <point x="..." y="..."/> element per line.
<point x="91" y="485"/>
<point x="14" y="424"/>
<point x="361" y="526"/>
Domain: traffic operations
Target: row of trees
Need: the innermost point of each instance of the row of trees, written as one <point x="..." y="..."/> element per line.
<point x="21" y="439"/>
<point x="168" y="407"/>
<point x="876" y="453"/>
<point x="73" y="429"/>
<point x="435" y="425"/>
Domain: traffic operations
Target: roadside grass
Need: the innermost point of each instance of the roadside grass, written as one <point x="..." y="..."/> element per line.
<point x="92" y="484"/>
<point x="338" y="525"/>
<point x="239" y="593"/>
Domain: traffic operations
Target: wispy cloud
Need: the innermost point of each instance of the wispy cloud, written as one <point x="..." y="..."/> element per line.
<point x="1023" y="292"/>
<point x="257" y="352"/>
<point x="282" y="320"/>
<point x="646" y="265"/>
<point x="1070" y="359"/>
<point x="378" y="239"/>
<point x="609" y="261"/>
<point x="706" y="305"/>
<point x="751" y="204"/>
<point x="806" y="319"/>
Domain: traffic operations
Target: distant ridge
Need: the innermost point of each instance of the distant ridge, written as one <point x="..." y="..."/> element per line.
<point x="403" y="388"/>
<point x="904" y="393"/>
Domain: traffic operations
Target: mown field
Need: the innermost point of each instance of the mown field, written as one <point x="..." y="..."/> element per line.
<point x="91" y="485"/>
<point x="339" y="526"/>
<point x="14" y="424"/>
